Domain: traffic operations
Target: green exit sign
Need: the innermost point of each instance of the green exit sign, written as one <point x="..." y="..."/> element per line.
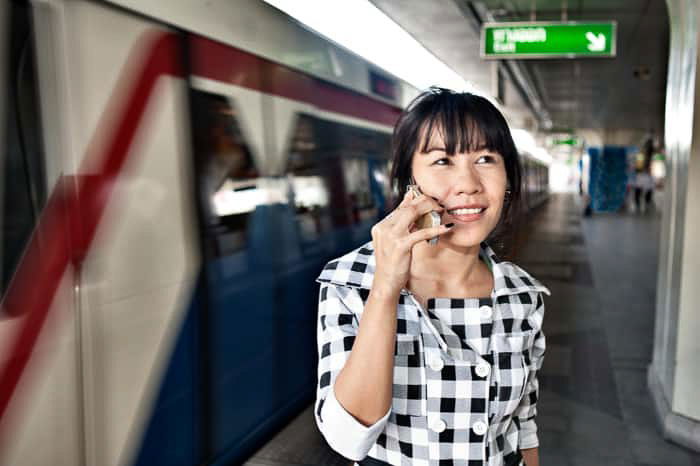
<point x="548" y="39"/>
<point x="572" y="141"/>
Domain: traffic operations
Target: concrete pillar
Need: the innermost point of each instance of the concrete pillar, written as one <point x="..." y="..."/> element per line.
<point x="674" y="374"/>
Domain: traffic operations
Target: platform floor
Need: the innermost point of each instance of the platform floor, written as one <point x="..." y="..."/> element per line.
<point x="595" y="408"/>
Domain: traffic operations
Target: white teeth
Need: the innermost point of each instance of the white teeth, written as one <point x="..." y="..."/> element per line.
<point x="466" y="211"/>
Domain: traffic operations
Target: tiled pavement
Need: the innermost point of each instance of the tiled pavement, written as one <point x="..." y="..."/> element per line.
<point x="594" y="406"/>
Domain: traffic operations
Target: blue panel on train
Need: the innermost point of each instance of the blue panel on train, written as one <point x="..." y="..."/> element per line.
<point x="262" y="335"/>
<point x="241" y="342"/>
<point x="172" y="433"/>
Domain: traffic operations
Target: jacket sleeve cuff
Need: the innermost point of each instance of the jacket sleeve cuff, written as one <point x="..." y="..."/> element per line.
<point x="344" y="433"/>
<point x="528" y="435"/>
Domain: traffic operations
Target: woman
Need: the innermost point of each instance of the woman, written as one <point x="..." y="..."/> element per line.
<point x="429" y="352"/>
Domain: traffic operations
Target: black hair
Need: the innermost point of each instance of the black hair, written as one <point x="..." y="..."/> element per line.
<point x="468" y="123"/>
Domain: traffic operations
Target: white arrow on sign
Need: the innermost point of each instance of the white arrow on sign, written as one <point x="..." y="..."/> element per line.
<point x="596" y="42"/>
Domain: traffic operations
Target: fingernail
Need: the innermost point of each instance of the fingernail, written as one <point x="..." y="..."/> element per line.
<point x="449" y="225"/>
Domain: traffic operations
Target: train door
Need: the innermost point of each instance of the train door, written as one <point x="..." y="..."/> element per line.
<point x="104" y="286"/>
<point x="251" y="242"/>
<point x="40" y="376"/>
<point x="237" y="233"/>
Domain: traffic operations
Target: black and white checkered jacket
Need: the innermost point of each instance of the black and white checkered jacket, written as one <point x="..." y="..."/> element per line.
<point x="465" y="386"/>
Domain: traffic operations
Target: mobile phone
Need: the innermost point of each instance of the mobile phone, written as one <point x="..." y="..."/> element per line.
<point x="431" y="219"/>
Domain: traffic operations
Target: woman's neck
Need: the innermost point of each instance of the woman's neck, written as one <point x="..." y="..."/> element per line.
<point x="444" y="264"/>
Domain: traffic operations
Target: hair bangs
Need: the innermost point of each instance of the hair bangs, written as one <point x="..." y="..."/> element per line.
<point x="463" y="125"/>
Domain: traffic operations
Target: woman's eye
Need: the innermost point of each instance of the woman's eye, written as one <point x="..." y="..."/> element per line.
<point x="442" y="161"/>
<point x="486" y="159"/>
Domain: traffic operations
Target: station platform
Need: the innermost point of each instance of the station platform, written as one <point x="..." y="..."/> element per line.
<point x="595" y="407"/>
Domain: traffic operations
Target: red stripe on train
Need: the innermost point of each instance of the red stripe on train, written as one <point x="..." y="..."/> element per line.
<point x="220" y="62"/>
<point x="70" y="218"/>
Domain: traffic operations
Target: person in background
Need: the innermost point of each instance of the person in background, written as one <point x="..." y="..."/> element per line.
<point x="643" y="187"/>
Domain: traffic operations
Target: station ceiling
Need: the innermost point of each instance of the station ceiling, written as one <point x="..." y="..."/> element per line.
<point x="622" y="93"/>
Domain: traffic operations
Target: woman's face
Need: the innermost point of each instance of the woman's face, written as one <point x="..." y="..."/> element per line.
<point x="470" y="185"/>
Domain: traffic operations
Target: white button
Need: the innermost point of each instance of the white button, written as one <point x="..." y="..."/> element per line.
<point x="482" y="369"/>
<point x="439" y="426"/>
<point x="436" y="363"/>
<point x="480" y="428"/>
<point x="486" y="312"/>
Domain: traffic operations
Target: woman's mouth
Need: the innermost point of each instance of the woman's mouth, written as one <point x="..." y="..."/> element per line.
<point x="464" y="214"/>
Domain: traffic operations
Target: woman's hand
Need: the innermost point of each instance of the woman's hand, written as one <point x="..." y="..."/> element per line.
<point x="393" y="241"/>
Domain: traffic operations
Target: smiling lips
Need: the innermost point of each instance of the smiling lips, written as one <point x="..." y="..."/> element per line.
<point x="467" y="213"/>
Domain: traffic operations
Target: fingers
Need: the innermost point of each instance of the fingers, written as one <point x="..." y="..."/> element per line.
<point x="422" y="199"/>
<point x="407" y="198"/>
<point x="428" y="233"/>
<point x="408" y="214"/>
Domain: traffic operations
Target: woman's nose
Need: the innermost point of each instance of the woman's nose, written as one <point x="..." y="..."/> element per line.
<point x="468" y="181"/>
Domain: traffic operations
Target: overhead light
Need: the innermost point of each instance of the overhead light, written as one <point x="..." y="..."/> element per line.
<point x="525" y="142"/>
<point x="364" y="29"/>
<point x="523" y="139"/>
<point x="541" y="154"/>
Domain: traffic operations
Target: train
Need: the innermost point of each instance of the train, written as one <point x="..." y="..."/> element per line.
<point x="176" y="176"/>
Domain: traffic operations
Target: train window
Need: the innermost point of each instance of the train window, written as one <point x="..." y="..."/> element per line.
<point x="380" y="187"/>
<point x="309" y="176"/>
<point x="22" y="180"/>
<point x="356" y="173"/>
<point x="229" y="185"/>
<point x="338" y="174"/>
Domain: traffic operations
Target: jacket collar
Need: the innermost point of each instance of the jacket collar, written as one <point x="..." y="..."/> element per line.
<point x="356" y="270"/>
